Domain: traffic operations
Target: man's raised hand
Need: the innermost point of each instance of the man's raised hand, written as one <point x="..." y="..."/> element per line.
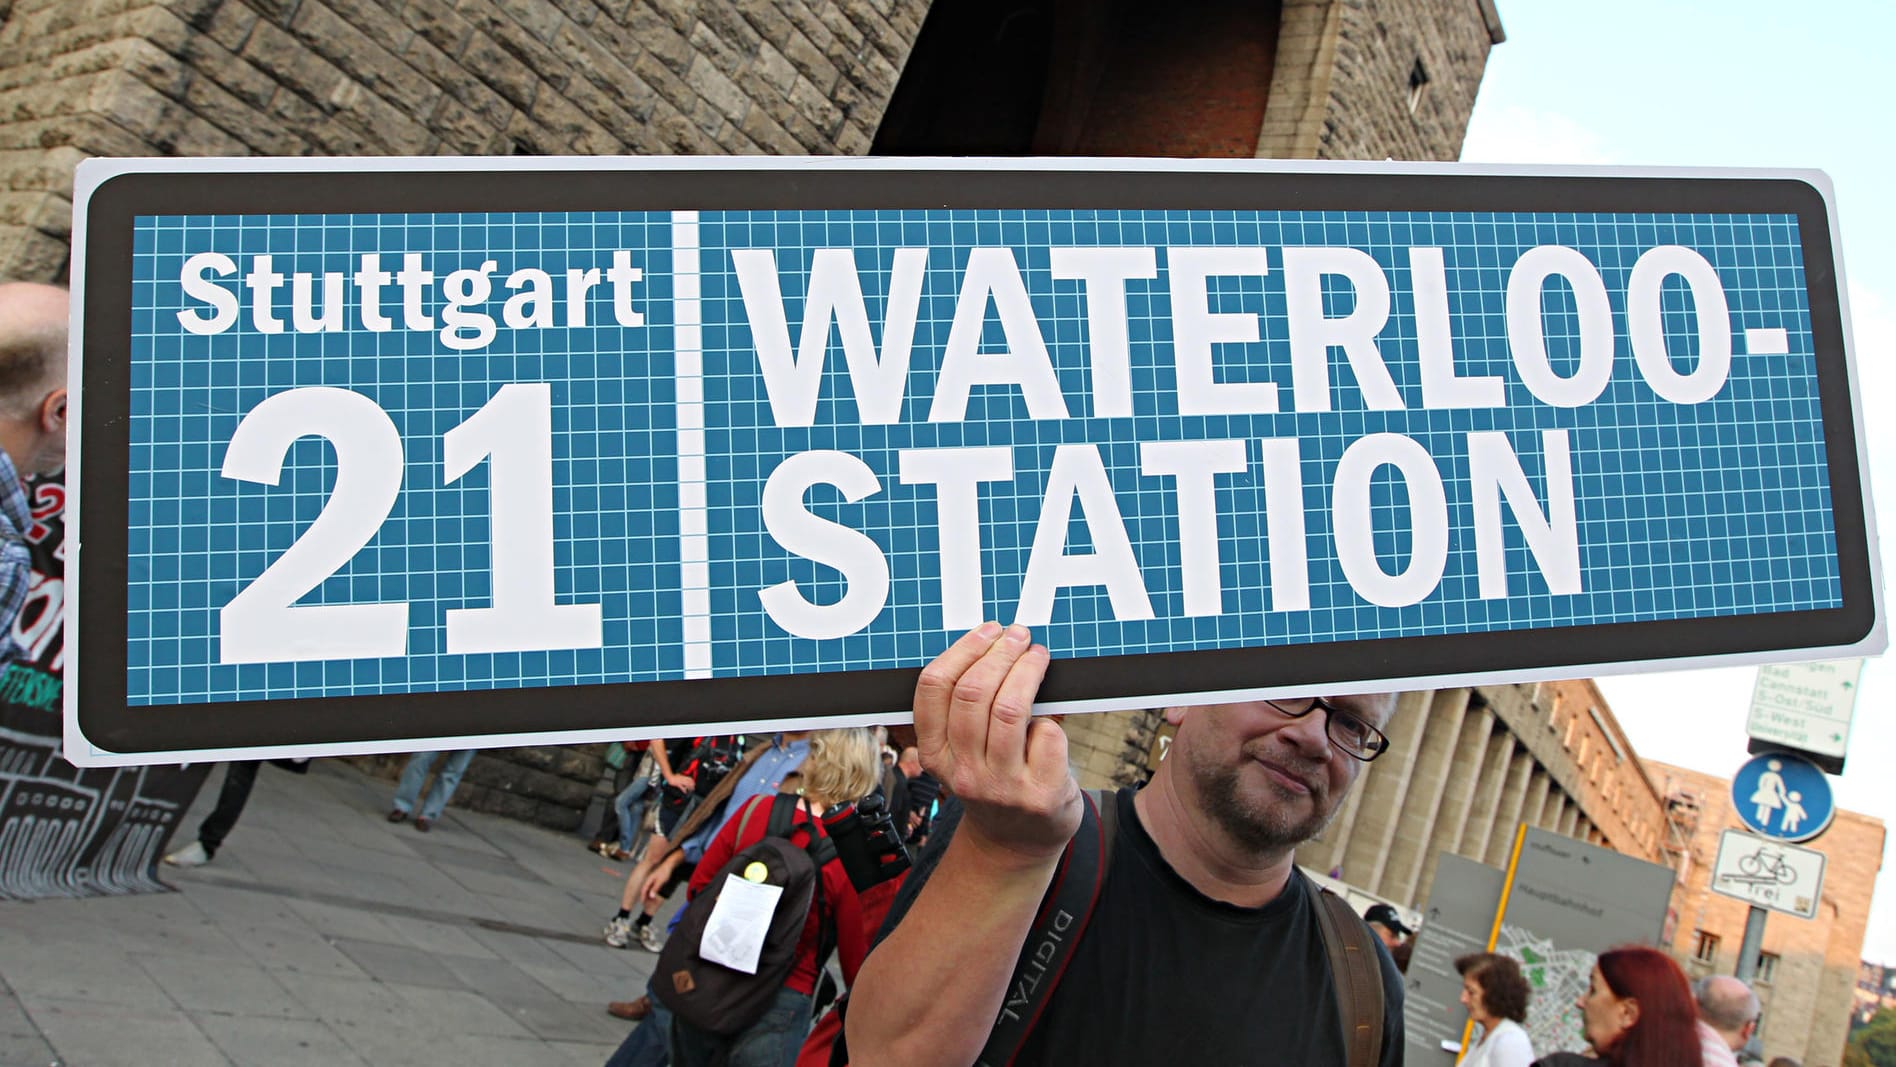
<point x="975" y="729"/>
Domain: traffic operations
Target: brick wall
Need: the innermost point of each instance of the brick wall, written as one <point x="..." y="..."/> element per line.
<point x="1808" y="999"/>
<point x="416" y="77"/>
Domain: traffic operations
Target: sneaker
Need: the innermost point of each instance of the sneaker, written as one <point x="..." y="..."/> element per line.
<point x="397" y="815"/>
<point x="619" y="932"/>
<point x="649" y="938"/>
<point x="424" y="824"/>
<point x="191" y="855"/>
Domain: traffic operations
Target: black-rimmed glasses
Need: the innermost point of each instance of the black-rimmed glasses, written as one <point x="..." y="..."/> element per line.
<point x="1346" y="729"/>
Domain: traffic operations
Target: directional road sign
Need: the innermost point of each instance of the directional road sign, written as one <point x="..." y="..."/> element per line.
<point x="394" y="454"/>
<point x="1769" y="874"/>
<point x="1806" y="706"/>
<point x="1782" y="796"/>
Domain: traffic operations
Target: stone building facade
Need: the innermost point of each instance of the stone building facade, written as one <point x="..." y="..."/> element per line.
<point x="1330" y="79"/>
<point x="1341" y="79"/>
<point x="1807" y="975"/>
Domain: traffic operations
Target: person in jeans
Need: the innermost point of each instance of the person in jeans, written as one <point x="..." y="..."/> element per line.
<point x="413" y="775"/>
<point x="842" y="767"/>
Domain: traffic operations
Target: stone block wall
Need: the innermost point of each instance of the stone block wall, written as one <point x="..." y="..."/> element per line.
<point x="1109" y="749"/>
<point x="548" y="786"/>
<point x="85" y="78"/>
<point x="1341" y="88"/>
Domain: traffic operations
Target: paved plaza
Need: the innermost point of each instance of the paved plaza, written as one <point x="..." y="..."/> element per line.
<point x="322" y="934"/>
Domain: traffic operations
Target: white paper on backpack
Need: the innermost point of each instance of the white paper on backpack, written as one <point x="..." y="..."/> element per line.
<point x="734" y="935"/>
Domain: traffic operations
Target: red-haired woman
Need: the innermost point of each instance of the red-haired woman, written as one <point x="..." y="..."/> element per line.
<point x="1639" y="1013"/>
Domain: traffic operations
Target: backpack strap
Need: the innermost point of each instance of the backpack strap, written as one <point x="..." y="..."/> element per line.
<point x="1356" y="975"/>
<point x="1058" y="927"/>
<point x="783" y="815"/>
<point x="744" y="823"/>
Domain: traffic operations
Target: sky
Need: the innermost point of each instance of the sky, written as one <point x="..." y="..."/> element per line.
<point x="1740" y="83"/>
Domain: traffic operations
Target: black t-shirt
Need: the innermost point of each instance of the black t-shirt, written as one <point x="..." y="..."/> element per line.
<point x="1165" y="974"/>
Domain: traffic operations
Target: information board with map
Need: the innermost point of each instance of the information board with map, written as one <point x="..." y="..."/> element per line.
<point x="1567" y="902"/>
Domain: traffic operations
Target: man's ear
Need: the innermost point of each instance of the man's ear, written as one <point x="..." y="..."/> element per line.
<point x="1175" y="715"/>
<point x="52" y="411"/>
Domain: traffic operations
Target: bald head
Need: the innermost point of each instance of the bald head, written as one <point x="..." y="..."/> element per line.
<point x="1727" y="1006"/>
<point x="33" y="375"/>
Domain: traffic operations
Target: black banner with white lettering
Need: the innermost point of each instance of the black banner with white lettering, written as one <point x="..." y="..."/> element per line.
<point x="67" y="832"/>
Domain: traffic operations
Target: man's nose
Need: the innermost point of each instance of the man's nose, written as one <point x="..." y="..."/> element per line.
<point x="1310" y="734"/>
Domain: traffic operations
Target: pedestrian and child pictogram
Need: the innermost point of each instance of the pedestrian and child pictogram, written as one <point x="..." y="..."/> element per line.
<point x="1782" y="795"/>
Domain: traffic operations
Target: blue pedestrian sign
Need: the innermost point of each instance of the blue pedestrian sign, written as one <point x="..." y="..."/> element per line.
<point x="1782" y="796"/>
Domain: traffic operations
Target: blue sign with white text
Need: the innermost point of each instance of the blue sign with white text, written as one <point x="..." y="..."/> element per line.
<point x="1783" y="796"/>
<point x="420" y="435"/>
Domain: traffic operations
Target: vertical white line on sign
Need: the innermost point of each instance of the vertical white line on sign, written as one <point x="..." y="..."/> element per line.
<point x="694" y="546"/>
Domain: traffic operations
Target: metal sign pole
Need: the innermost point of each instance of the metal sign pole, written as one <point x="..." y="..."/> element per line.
<point x="1753" y="943"/>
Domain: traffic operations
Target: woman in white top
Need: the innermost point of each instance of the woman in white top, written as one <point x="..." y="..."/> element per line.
<point x="1496" y="993"/>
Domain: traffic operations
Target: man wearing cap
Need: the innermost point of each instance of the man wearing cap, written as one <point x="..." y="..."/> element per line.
<point x="1201" y="885"/>
<point x="1386" y="922"/>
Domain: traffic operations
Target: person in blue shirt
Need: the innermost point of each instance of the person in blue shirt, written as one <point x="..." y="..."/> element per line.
<point x="32" y="427"/>
<point x="761" y="772"/>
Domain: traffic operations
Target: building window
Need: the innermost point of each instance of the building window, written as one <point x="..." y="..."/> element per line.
<point x="1767" y="966"/>
<point x="1418" y="78"/>
<point x="1706" y="951"/>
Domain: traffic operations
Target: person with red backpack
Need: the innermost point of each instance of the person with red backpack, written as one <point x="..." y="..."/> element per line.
<point x="766" y="1031"/>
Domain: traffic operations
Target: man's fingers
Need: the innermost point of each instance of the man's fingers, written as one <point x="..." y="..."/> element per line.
<point x="971" y="707"/>
<point x="1013" y="712"/>
<point x="1047" y="751"/>
<point x="934" y="690"/>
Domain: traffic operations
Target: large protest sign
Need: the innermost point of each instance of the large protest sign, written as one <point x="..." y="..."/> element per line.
<point x="375" y="453"/>
<point x="66" y="831"/>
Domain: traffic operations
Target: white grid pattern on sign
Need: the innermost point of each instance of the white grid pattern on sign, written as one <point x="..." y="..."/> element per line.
<point x="663" y="441"/>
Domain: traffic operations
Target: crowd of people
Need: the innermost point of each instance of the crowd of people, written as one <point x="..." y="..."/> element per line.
<point x="1194" y="884"/>
<point x="1194" y="879"/>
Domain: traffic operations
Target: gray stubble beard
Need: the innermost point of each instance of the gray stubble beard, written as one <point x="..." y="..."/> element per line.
<point x="1264" y="830"/>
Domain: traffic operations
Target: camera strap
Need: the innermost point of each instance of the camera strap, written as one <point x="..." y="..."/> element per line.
<point x="1061" y="922"/>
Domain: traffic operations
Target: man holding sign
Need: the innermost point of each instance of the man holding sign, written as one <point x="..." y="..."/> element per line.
<point x="1203" y="940"/>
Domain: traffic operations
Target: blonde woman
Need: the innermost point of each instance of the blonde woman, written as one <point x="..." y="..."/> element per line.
<point x="843" y="767"/>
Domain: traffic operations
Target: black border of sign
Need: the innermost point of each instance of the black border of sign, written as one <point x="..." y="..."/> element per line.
<point x="109" y="724"/>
